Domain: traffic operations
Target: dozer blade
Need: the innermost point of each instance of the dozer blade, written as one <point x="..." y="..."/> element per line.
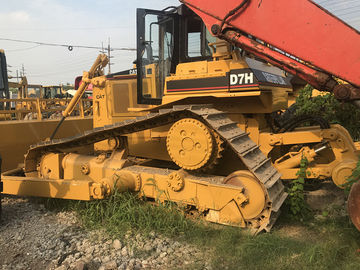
<point x="353" y="204"/>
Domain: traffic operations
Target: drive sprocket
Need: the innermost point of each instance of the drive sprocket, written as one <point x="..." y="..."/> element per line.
<point x="216" y="156"/>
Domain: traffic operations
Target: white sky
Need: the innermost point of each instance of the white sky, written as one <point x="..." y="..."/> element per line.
<point x="79" y="22"/>
<point x="88" y="23"/>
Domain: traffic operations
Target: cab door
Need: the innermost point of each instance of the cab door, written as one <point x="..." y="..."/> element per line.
<point x="156" y="34"/>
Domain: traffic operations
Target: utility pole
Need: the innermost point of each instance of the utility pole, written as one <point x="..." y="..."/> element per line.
<point x="108" y="51"/>
<point x="109" y="55"/>
<point x="23" y="70"/>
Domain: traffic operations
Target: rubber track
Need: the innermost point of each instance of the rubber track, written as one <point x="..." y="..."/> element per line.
<point x="236" y="138"/>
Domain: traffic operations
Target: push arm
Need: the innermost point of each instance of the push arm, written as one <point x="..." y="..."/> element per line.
<point x="96" y="69"/>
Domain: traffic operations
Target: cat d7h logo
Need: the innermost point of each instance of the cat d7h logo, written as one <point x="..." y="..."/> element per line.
<point x="242" y="78"/>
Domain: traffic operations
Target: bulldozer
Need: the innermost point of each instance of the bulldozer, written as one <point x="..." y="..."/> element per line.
<point x="191" y="122"/>
<point x="17" y="133"/>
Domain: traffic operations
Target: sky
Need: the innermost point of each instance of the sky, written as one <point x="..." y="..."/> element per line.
<point x="88" y="23"/>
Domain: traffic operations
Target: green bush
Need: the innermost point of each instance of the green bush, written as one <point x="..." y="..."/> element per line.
<point x="299" y="209"/>
<point x="326" y="106"/>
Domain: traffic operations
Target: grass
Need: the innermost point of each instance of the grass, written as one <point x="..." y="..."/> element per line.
<point x="329" y="243"/>
<point x="123" y="212"/>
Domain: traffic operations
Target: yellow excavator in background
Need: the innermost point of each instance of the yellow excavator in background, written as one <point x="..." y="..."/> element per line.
<point x="191" y="122"/>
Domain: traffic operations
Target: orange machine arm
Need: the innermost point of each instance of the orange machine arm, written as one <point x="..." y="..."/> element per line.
<point x="310" y="42"/>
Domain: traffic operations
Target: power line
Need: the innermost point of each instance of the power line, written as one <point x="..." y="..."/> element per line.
<point x="325" y="1"/>
<point x="340" y="6"/>
<point x="70" y="47"/>
<point x="337" y="10"/>
<point x="74" y="59"/>
<point x="350" y="12"/>
<point x="65" y="67"/>
<point x="23" y="49"/>
<point x="66" y="61"/>
<point x="61" y="71"/>
<point x="62" y="66"/>
<point x="354" y="20"/>
<point x="335" y="2"/>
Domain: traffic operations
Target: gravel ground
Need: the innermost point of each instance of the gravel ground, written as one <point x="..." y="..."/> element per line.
<point x="32" y="237"/>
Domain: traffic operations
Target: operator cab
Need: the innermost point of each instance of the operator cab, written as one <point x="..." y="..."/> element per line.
<point x="53" y="91"/>
<point x="165" y="39"/>
<point x="175" y="54"/>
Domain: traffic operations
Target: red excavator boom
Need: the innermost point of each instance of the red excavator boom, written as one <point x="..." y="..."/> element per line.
<point x="297" y="36"/>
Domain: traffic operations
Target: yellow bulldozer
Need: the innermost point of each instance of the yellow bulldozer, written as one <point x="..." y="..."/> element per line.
<point x="189" y="123"/>
<point x="26" y="119"/>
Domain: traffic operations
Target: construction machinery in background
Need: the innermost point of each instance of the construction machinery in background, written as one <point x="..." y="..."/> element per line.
<point x="4" y="85"/>
<point x="54" y="91"/>
<point x="35" y="101"/>
<point x="193" y="123"/>
<point x="27" y="118"/>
